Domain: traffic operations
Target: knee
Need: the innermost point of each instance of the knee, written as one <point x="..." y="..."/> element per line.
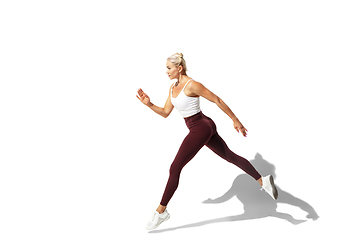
<point x="174" y="170"/>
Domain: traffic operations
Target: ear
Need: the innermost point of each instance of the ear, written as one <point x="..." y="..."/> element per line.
<point x="180" y="68"/>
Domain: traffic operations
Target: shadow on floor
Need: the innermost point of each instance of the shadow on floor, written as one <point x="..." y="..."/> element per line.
<point x="257" y="204"/>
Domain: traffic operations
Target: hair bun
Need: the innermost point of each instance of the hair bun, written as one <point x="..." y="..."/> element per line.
<point x="178" y="60"/>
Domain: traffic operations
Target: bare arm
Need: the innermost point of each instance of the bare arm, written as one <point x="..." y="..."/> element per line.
<point x="197" y="88"/>
<point x="164" y="112"/>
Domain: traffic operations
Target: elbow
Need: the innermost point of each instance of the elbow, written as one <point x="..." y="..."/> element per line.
<point x="166" y="113"/>
<point x="218" y="101"/>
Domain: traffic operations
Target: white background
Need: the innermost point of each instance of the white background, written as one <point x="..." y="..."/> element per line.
<point x="82" y="158"/>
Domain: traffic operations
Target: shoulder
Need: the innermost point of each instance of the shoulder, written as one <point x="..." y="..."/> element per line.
<point x="194" y="85"/>
<point x="171" y="87"/>
<point x="195" y="89"/>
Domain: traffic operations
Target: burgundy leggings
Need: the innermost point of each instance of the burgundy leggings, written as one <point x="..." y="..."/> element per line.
<point x="202" y="132"/>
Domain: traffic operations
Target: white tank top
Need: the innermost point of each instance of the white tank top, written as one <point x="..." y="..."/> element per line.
<point x="187" y="106"/>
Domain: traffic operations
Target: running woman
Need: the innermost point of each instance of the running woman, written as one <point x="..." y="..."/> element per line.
<point x="185" y="95"/>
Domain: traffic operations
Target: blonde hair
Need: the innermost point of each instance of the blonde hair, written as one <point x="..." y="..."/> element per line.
<point x="178" y="60"/>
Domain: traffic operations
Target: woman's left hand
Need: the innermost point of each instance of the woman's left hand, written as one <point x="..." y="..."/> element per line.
<point x="239" y="127"/>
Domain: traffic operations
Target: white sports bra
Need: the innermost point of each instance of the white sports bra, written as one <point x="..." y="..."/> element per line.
<point x="187" y="106"/>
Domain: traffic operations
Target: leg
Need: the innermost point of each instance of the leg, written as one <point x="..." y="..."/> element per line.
<point x="193" y="142"/>
<point x="218" y="146"/>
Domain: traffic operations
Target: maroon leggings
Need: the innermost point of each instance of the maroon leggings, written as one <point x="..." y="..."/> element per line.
<point x="202" y="132"/>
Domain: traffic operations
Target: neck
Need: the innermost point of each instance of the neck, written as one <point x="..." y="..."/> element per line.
<point x="182" y="79"/>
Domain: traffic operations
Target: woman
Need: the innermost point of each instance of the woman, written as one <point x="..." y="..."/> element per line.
<point x="184" y="95"/>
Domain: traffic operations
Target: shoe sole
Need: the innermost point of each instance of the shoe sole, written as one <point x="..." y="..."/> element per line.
<point x="275" y="192"/>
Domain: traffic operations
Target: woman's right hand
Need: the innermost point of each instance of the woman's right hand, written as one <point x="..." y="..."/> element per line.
<point x="143" y="97"/>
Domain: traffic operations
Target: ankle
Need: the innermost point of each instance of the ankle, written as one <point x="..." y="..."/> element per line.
<point x="260" y="181"/>
<point x="161" y="209"/>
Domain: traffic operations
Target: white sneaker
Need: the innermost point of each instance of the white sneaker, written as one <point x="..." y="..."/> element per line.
<point x="157" y="219"/>
<point x="269" y="186"/>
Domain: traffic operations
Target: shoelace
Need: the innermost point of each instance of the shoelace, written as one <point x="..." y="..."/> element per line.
<point x="153" y="217"/>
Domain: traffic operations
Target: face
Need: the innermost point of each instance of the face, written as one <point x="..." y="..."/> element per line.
<point x="172" y="71"/>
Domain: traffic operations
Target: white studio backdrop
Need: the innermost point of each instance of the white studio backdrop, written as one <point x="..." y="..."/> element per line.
<point x="82" y="158"/>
